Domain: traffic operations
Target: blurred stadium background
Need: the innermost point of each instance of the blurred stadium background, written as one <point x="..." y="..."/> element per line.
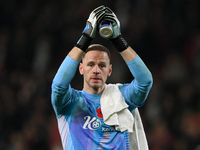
<point x="35" y="36"/>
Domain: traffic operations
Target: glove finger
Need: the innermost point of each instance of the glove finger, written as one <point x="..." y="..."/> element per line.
<point x="108" y="10"/>
<point x="109" y="15"/>
<point x="99" y="9"/>
<point x="110" y="18"/>
<point x="100" y="16"/>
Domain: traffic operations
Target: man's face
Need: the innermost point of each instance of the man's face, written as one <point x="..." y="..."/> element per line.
<point x="96" y="68"/>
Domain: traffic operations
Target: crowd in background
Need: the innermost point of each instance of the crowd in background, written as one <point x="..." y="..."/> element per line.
<point x="35" y="36"/>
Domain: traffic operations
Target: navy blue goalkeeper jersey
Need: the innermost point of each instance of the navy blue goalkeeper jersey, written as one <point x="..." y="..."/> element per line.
<point x="80" y="121"/>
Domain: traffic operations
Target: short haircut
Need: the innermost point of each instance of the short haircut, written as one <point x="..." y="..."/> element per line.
<point x="98" y="47"/>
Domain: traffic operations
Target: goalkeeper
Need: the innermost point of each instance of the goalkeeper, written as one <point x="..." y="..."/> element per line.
<point x="94" y="117"/>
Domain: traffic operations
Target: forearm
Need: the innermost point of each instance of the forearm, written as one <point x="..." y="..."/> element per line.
<point x="129" y="54"/>
<point x="68" y="67"/>
<point x="137" y="91"/>
<point x="66" y="72"/>
<point x="136" y="66"/>
<point x="62" y="80"/>
<point x="76" y="54"/>
<point x="141" y="73"/>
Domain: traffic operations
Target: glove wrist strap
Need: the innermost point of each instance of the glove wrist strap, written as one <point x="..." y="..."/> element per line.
<point x="84" y="42"/>
<point x="120" y="43"/>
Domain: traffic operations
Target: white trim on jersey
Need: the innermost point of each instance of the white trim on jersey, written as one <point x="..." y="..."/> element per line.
<point x="64" y="130"/>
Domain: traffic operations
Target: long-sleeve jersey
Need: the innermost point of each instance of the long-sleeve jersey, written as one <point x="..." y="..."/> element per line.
<point x="79" y="116"/>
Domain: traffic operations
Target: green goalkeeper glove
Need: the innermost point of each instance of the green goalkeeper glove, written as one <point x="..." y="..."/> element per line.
<point x="118" y="41"/>
<point x="89" y="31"/>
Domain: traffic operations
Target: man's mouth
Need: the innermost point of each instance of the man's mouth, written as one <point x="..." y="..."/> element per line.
<point x="95" y="79"/>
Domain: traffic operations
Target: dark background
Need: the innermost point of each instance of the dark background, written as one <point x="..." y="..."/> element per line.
<point x="36" y="35"/>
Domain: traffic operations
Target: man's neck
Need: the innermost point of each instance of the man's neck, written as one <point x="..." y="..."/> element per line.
<point x="94" y="90"/>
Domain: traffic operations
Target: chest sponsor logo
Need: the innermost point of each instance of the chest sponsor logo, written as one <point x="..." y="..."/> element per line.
<point x="91" y="123"/>
<point x="94" y="123"/>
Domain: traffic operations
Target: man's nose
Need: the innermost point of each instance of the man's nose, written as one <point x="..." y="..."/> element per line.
<point x="96" y="69"/>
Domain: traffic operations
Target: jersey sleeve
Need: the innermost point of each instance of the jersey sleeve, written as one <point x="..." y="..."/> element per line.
<point x="136" y="92"/>
<point x="62" y="92"/>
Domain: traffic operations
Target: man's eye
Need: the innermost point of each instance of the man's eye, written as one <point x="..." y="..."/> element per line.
<point x="102" y="66"/>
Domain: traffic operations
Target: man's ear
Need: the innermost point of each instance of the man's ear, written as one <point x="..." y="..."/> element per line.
<point x="110" y="70"/>
<point x="81" y="68"/>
